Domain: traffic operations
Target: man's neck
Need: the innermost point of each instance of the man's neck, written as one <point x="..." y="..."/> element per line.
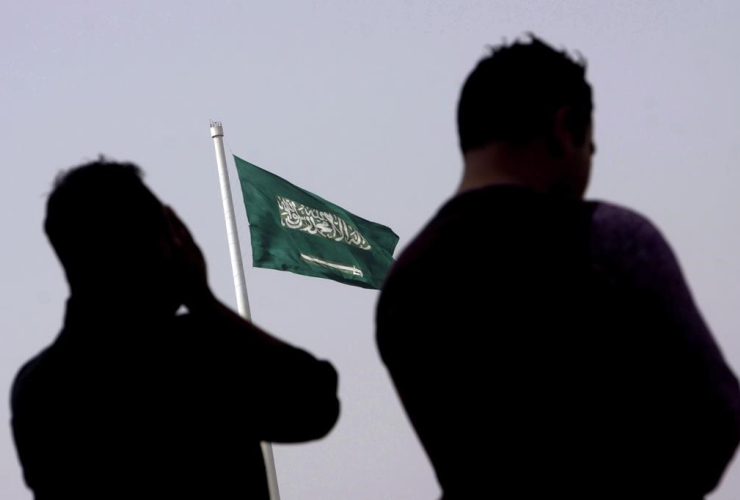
<point x="501" y="164"/>
<point x="125" y="307"/>
<point x="475" y="180"/>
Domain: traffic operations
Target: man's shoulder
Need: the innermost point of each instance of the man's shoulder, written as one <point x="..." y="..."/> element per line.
<point x="621" y="230"/>
<point x="450" y="252"/>
<point x="444" y="233"/>
<point x="429" y="249"/>
<point x="614" y="217"/>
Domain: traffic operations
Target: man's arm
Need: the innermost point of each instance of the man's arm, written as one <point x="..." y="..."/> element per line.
<point x="706" y="411"/>
<point x="292" y="396"/>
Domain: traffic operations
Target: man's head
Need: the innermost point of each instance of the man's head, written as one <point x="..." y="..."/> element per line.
<point x="527" y="95"/>
<point x="109" y="231"/>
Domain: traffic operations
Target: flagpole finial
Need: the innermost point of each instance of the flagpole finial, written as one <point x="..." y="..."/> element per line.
<point x="217" y="130"/>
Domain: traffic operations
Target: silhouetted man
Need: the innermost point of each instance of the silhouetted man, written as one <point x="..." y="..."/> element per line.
<point x="134" y="401"/>
<point x="544" y="346"/>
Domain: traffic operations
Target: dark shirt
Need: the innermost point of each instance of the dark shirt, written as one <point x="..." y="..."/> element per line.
<point x="546" y="348"/>
<point x="124" y="407"/>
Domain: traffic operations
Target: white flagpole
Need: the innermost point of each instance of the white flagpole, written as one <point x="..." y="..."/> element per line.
<point x="242" y="301"/>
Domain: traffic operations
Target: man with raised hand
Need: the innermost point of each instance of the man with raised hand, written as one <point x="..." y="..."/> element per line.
<point x="133" y="400"/>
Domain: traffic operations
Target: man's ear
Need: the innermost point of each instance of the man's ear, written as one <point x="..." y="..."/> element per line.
<point x="559" y="138"/>
<point x="561" y="130"/>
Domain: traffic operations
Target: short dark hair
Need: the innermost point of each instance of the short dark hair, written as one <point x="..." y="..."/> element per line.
<point x="100" y="210"/>
<point x="513" y="94"/>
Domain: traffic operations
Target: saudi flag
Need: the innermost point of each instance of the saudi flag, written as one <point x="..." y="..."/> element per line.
<point x="295" y="230"/>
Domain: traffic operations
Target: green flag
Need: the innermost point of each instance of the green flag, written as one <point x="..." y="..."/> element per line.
<point x="295" y="230"/>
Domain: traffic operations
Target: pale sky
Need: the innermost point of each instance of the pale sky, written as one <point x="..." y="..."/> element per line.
<point x="354" y="101"/>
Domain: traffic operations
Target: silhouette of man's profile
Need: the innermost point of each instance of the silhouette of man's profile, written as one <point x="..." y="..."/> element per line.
<point x="133" y="400"/>
<point x="544" y="346"/>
